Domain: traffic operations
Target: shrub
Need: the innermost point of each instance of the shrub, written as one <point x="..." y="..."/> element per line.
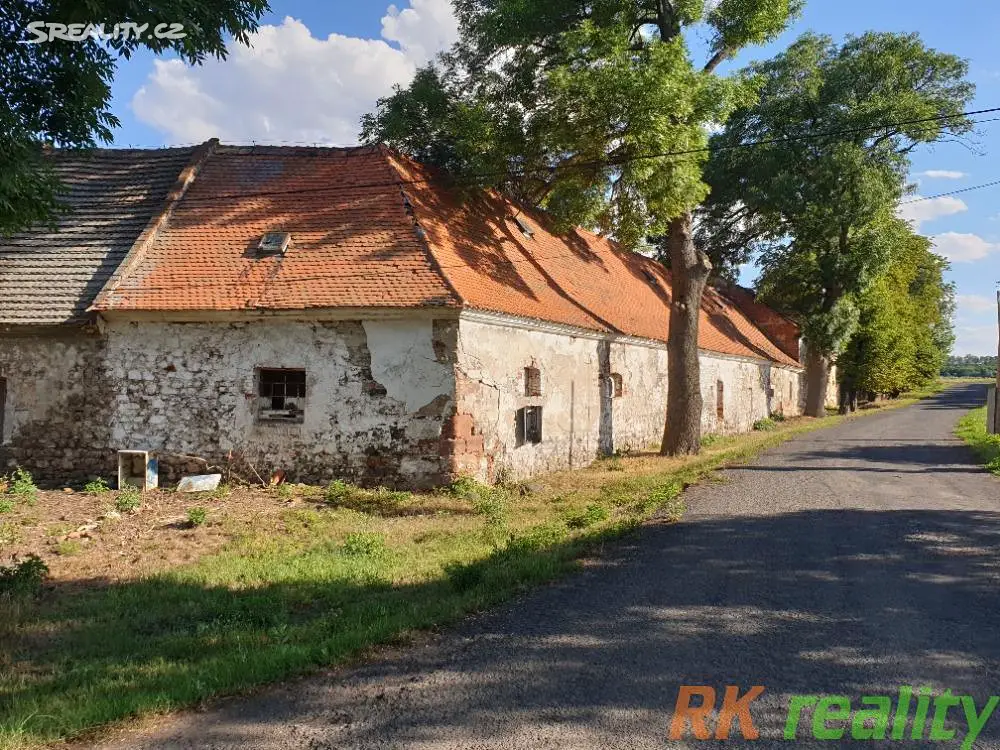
<point x="197" y="516"/>
<point x="337" y="492"/>
<point x="24" y="577"/>
<point x="97" y="487"/>
<point x="23" y="486"/>
<point x="590" y="516"/>
<point x="465" y="486"/>
<point x="364" y="544"/>
<point x="129" y="499"/>
<point x="765" y="425"/>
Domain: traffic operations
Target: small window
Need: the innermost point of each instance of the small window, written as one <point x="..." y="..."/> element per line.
<point x="615" y="387"/>
<point x="529" y="425"/>
<point x="282" y="395"/>
<point x="525" y="228"/>
<point x="720" y="400"/>
<point x="532" y="382"/>
<point x="273" y="243"/>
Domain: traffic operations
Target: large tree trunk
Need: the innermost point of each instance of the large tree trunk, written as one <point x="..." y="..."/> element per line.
<point x="689" y="269"/>
<point x="817" y="379"/>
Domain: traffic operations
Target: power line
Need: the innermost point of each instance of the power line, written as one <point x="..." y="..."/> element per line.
<point x="921" y="199"/>
<point x="348" y="153"/>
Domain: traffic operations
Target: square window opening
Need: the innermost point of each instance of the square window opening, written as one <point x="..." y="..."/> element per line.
<point x="616" y="386"/>
<point x="529" y="425"/>
<point x="281" y="395"/>
<point x="532" y="382"/>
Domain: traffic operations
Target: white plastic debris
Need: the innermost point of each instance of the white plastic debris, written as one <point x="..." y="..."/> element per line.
<point x="200" y="483"/>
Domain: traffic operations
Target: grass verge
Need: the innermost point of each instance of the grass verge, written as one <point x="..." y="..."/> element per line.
<point x="344" y="572"/>
<point x="972" y="429"/>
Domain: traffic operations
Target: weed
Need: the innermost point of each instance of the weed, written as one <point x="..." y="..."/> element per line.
<point x="97" y="487"/>
<point x="364" y="544"/>
<point x="22" y="486"/>
<point x="197" y="516"/>
<point x="377" y="502"/>
<point x="765" y="425"/>
<point x="24" y="577"/>
<point x="707" y="441"/>
<point x="464" y="486"/>
<point x="129" y="499"/>
<point x="6" y="506"/>
<point x="69" y="548"/>
<point x="285" y="491"/>
<point x="9" y="533"/>
<point x="590" y="516"/>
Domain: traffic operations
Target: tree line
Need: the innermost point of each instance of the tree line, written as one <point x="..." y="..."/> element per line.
<point x="970" y="366"/>
<point x="602" y="114"/>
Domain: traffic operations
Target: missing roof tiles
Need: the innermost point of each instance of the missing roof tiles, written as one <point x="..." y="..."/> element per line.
<point x="525" y="228"/>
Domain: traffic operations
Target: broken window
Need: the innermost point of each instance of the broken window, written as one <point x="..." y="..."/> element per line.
<point x="532" y="382"/>
<point x="720" y="400"/>
<point x="615" y="386"/>
<point x="282" y="395"/>
<point x="529" y="425"/>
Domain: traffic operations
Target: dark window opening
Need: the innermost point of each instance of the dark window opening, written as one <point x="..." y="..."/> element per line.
<point x="532" y="382"/>
<point x="282" y="395"/>
<point x="720" y="400"/>
<point x="615" y="385"/>
<point x="529" y="425"/>
<point x="273" y="243"/>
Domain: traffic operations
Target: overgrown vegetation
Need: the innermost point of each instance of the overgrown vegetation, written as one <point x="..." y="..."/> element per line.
<point x="129" y="499"/>
<point x="97" y="486"/>
<point x="765" y="425"/>
<point x="20" y="486"/>
<point x="972" y="429"/>
<point x="318" y="588"/>
<point x="22" y="577"/>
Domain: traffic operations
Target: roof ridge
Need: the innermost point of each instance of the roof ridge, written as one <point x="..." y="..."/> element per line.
<point x="390" y="156"/>
<point x="187" y="176"/>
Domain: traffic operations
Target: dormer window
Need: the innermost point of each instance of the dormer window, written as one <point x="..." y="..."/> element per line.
<point x="273" y="243"/>
<point x="525" y="227"/>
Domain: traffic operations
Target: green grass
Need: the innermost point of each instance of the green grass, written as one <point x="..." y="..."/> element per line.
<point x="353" y="570"/>
<point x="972" y="429"/>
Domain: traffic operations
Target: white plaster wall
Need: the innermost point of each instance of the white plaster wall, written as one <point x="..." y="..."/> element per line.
<point x="376" y="394"/>
<point x="491" y="359"/>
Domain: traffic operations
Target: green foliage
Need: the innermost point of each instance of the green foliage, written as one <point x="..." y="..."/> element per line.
<point x="970" y="366"/>
<point x="197" y="516"/>
<point x="707" y="441"/>
<point x="551" y="102"/>
<point x="765" y="425"/>
<point x="23" y="577"/>
<point x="69" y="548"/>
<point x="380" y="501"/>
<point x="97" y="487"/>
<point x="590" y="516"/>
<point x="129" y="499"/>
<point x="6" y="506"/>
<point x="21" y="485"/>
<point x="60" y="92"/>
<point x="820" y="212"/>
<point x="972" y="429"/>
<point x="365" y="544"/>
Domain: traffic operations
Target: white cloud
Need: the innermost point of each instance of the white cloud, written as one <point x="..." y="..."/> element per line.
<point x="943" y="174"/>
<point x="290" y="86"/>
<point x="974" y="305"/>
<point x="921" y="210"/>
<point x="980" y="340"/>
<point x="963" y="248"/>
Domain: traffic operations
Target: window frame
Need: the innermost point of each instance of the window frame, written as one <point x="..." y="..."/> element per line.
<point x="269" y="413"/>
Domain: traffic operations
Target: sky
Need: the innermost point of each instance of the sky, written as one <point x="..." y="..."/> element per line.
<point x="316" y="66"/>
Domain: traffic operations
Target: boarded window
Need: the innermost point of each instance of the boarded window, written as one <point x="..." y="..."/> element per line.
<point x="282" y="395"/>
<point x="615" y="385"/>
<point x="3" y="404"/>
<point x="720" y="400"/>
<point x="532" y="382"/>
<point x="529" y="425"/>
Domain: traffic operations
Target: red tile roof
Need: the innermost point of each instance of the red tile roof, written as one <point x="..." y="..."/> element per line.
<point x="372" y="229"/>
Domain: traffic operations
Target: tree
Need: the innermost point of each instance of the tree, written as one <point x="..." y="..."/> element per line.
<point x="59" y="92"/>
<point x="904" y="328"/>
<point x="834" y="126"/>
<point x="565" y="105"/>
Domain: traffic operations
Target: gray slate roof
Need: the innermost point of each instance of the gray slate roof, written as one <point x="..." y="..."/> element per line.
<point x="51" y="276"/>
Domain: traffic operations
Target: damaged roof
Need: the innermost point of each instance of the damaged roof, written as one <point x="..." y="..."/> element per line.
<point x="52" y="275"/>
<point x="361" y="228"/>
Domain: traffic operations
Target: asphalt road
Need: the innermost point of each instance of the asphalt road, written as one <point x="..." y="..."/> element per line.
<point x="850" y="561"/>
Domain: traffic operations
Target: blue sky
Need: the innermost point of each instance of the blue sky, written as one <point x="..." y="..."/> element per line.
<point x="318" y="65"/>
